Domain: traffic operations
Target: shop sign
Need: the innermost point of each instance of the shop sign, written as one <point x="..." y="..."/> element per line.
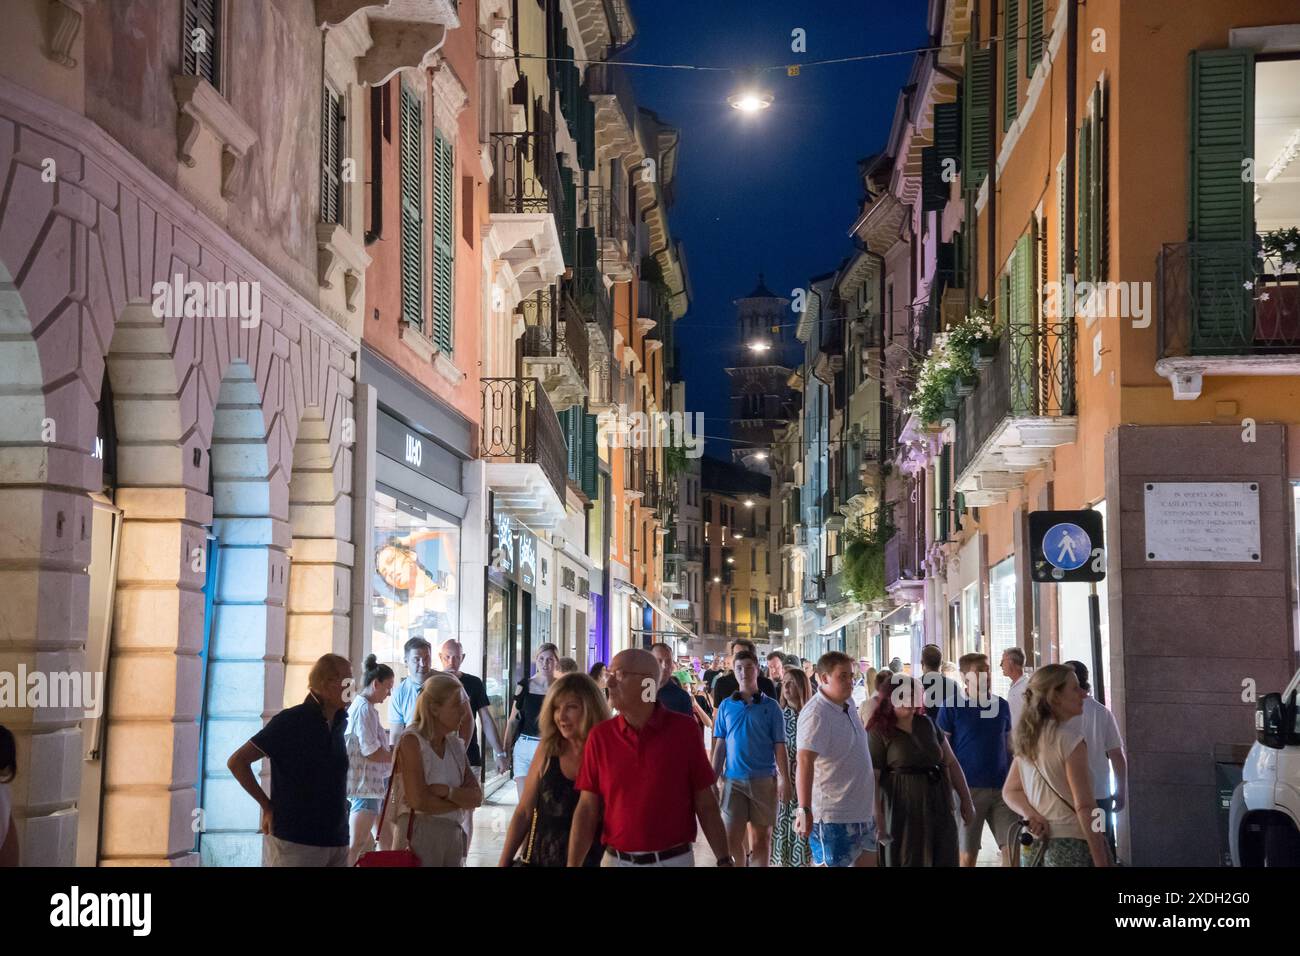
<point x="1066" y="546"/>
<point x="503" y="551"/>
<point x="527" y="557"/>
<point x="413" y="449"/>
<point x="1202" y="521"/>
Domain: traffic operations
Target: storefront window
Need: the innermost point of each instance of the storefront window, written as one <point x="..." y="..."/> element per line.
<point x="496" y="656"/>
<point x="415" y="587"/>
<point x="1002" y="619"/>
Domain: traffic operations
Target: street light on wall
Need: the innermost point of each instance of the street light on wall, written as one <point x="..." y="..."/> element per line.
<point x="750" y="100"/>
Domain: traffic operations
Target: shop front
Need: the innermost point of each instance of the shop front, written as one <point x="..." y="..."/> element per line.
<point x="415" y="534"/>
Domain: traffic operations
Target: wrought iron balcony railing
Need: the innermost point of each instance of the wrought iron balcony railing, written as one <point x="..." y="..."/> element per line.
<point x="592" y="297"/>
<point x="554" y="328"/>
<point x="605" y="213"/>
<point x="1032" y="376"/>
<point x="526" y="177"/>
<point x="1218" y="298"/>
<point x="519" y="425"/>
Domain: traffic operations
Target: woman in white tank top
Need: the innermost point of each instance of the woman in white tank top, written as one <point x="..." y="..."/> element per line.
<point x="433" y="780"/>
<point x="1050" y="783"/>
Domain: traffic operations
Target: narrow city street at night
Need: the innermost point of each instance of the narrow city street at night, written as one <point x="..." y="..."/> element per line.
<point x="784" y="435"/>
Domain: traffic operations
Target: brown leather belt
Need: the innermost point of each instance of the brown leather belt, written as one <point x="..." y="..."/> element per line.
<point x="641" y="859"/>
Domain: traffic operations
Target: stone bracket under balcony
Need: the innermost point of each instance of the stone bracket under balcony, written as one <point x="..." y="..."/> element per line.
<point x="530" y="244"/>
<point x="523" y="491"/>
<point x="406" y="35"/>
<point x="1017" y="446"/>
<point x="564" y="386"/>
<point x="1186" y="374"/>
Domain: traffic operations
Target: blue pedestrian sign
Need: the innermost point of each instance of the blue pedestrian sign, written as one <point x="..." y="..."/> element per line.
<point x="1066" y="546"/>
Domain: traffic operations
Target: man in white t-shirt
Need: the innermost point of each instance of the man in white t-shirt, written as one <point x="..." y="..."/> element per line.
<point x="1105" y="751"/>
<point x="1013" y="669"/>
<point x="834" y="781"/>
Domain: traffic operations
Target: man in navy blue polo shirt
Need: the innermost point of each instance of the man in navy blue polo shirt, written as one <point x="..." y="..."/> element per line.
<point x="978" y="727"/>
<point x="749" y="756"/>
<point x="670" y="695"/>
<point x="306" y="816"/>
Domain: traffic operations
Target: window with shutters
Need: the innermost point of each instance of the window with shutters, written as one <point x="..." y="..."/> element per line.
<point x="977" y="100"/>
<point x="444" y="240"/>
<point x="1036" y="42"/>
<point x="331" y="155"/>
<point x="411" y="179"/>
<point x="1010" y="62"/>
<point x="201" y="42"/>
<point x="1090" y="204"/>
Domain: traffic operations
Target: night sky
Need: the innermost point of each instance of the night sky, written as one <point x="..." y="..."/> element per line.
<point x="779" y="190"/>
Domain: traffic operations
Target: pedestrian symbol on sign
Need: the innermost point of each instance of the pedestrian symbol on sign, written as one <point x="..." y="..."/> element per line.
<point x="1067" y="546"/>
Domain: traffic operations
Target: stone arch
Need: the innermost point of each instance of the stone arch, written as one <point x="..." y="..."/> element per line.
<point x="151" y="741"/>
<point x="320" y="513"/>
<point x="245" y="655"/>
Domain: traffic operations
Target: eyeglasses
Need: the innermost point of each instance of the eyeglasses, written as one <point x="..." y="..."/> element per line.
<point x="618" y="674"/>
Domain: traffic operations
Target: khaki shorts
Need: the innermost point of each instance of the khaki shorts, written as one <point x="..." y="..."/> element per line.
<point x="990" y="808"/>
<point x="752" y="800"/>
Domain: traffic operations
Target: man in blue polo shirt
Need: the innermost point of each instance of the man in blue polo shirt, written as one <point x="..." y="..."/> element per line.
<point x="749" y="756"/>
<point x="305" y="817"/>
<point x="978" y="727"/>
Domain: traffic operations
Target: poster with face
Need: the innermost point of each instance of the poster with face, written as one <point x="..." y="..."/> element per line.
<point x="416" y="556"/>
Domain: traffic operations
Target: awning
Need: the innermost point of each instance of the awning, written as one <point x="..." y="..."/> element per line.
<point x="664" y="612"/>
<point x="842" y="621"/>
<point x="902" y="609"/>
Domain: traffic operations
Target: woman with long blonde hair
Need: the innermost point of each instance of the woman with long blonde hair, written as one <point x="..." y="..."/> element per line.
<point x="434" y="790"/>
<point x="574" y="704"/>
<point x="1050" y="783"/>
<point x="788" y="848"/>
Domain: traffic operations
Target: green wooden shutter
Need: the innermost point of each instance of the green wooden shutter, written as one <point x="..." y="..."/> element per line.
<point x="946" y="526"/>
<point x="934" y="191"/>
<point x="1037" y="46"/>
<point x="977" y="91"/>
<point x="1096" y="186"/>
<point x="586" y="138"/>
<point x="444" y="241"/>
<point x="1221" y="137"/>
<point x="571" y="425"/>
<point x="410" y="137"/>
<point x="947" y="132"/>
<point x="331" y="155"/>
<point x="1065" y="320"/>
<point x="1021" y="327"/>
<point x="1010" y="62"/>
<point x="569" y="225"/>
<point x="590" y="458"/>
<point x="1082" y="203"/>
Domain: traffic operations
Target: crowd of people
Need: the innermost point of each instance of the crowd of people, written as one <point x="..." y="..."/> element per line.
<point x="806" y="763"/>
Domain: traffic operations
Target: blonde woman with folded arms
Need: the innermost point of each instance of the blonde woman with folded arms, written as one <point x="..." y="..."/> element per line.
<point x="1050" y="783"/>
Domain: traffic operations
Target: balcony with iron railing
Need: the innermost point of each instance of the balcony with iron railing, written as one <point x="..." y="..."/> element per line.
<point x="1022" y="408"/>
<point x="523" y="445"/>
<point x="592" y="296"/>
<point x="1223" y="309"/>
<point x="526" y="202"/>
<point x="555" y="347"/>
<point x="603" y="210"/>
<point x="902" y="577"/>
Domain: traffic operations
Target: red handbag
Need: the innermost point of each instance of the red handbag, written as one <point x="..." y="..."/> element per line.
<point x="391" y="858"/>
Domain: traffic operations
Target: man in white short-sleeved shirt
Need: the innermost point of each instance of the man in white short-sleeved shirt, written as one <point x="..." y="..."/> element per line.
<point x="1105" y="750"/>
<point x="1013" y="669"/>
<point x="835" y="784"/>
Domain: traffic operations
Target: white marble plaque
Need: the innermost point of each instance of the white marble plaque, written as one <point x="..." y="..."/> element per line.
<point x="1202" y="521"/>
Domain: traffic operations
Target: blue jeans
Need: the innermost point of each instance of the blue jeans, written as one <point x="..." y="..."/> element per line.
<point x="358" y="804"/>
<point x="840" y="844"/>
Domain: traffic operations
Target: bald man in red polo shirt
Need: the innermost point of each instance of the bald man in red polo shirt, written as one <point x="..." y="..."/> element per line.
<point x="646" y="776"/>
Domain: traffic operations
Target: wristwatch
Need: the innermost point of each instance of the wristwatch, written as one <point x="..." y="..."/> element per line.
<point x="501" y="754"/>
<point x="807" y="810"/>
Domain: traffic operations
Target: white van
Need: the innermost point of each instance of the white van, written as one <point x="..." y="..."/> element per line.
<point x="1264" y="818"/>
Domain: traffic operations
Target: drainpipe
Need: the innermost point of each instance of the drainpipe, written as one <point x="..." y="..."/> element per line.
<point x="376" y="230"/>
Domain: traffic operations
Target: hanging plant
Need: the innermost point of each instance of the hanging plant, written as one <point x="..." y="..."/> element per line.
<point x="976" y="330"/>
<point x="943" y="369"/>
<point x="863" y="565"/>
